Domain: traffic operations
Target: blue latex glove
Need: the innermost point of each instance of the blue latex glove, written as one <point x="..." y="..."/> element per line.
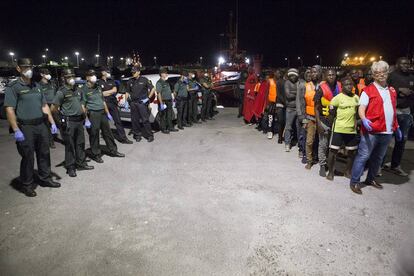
<point x="54" y="129"/>
<point x="163" y="107"/>
<point x="109" y="116"/>
<point x="144" y="101"/>
<point x="367" y="124"/>
<point x="398" y="135"/>
<point x="19" y="136"/>
<point x="87" y="123"/>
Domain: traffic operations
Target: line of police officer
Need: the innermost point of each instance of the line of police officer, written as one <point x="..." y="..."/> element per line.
<point x="30" y="106"/>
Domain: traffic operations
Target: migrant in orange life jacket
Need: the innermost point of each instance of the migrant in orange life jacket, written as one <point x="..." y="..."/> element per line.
<point x="360" y="86"/>
<point x="261" y="99"/>
<point x="309" y="95"/>
<point x="272" y="91"/>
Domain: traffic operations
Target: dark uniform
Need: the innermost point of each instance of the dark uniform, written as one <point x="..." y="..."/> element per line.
<point x="181" y="90"/>
<point x="27" y="100"/>
<point x="112" y="104"/>
<point x="240" y="86"/>
<point x="206" y="108"/>
<point x="194" y="88"/>
<point x="163" y="88"/>
<point x="93" y="100"/>
<point x="138" y="88"/>
<point x="72" y="120"/>
<point x="49" y="91"/>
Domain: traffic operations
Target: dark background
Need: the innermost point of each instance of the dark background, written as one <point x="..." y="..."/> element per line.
<point x="182" y="31"/>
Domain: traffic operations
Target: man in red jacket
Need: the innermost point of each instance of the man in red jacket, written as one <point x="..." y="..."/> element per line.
<point x="377" y="111"/>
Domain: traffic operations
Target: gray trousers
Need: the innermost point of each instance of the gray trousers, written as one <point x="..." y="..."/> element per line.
<point x="291" y="118"/>
<point x="323" y="144"/>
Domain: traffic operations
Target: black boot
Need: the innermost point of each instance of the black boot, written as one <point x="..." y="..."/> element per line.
<point x="349" y="163"/>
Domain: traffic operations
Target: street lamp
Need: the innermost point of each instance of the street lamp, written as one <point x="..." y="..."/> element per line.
<point x="155" y="61"/>
<point x="287" y="61"/>
<point x="247" y="60"/>
<point x="77" y="58"/>
<point x="44" y="59"/>
<point x="11" y="54"/>
<point x="201" y="60"/>
<point x="97" y="58"/>
<point x="221" y="61"/>
<point x="66" y="58"/>
<point x="82" y="59"/>
<point x="318" y="57"/>
<point x="346" y="55"/>
<point x="301" y="61"/>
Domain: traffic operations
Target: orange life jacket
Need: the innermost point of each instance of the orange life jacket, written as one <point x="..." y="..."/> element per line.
<point x="272" y="91"/>
<point x="360" y="85"/>
<point x="257" y="87"/>
<point x="309" y="95"/>
<point x="327" y="93"/>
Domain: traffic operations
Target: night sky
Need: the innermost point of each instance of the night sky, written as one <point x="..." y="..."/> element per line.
<point x="182" y="31"/>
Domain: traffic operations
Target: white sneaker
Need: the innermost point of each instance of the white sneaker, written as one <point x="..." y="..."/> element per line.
<point x="287" y="148"/>
<point x="269" y="135"/>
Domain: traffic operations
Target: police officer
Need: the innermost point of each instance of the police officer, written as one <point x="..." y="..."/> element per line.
<point x="165" y="99"/>
<point x="206" y="86"/>
<point x="181" y="95"/>
<point x="139" y="92"/>
<point x="109" y="91"/>
<point x="193" y="89"/>
<point x="97" y="118"/>
<point x="48" y="88"/>
<point x="67" y="106"/>
<point x="27" y="112"/>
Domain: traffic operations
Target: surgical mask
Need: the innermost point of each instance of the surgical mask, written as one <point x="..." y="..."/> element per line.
<point x="108" y="75"/>
<point x="205" y="75"/>
<point x="71" y="81"/>
<point x="48" y="77"/>
<point x="28" y="74"/>
<point x="93" y="79"/>
<point x="166" y="78"/>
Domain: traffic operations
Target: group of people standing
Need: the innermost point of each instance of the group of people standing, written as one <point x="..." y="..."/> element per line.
<point x="325" y="114"/>
<point x="36" y="112"/>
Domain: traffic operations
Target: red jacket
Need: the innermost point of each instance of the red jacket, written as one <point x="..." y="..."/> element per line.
<point x="375" y="109"/>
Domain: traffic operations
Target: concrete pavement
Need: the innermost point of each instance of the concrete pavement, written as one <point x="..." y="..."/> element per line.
<point x="215" y="199"/>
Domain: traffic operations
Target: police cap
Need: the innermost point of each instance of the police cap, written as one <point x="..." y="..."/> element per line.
<point x="90" y="72"/>
<point x="25" y="62"/>
<point x="136" y="68"/>
<point x="163" y="70"/>
<point x="44" y="71"/>
<point x="66" y="73"/>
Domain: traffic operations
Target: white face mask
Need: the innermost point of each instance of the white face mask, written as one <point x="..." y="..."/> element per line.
<point x="48" y="77"/>
<point x="92" y="79"/>
<point x="28" y="74"/>
<point x="205" y="75"/>
<point x="108" y="75"/>
<point x="166" y="78"/>
<point x="71" y="82"/>
<point x="192" y="76"/>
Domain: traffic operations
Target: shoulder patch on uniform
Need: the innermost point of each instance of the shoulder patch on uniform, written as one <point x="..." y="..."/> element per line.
<point x="10" y="84"/>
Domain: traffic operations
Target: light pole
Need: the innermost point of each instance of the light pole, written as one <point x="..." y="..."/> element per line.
<point x="82" y="60"/>
<point x="11" y="54"/>
<point x="97" y="59"/>
<point x="201" y="60"/>
<point x="301" y="61"/>
<point x="77" y="58"/>
<point x="44" y="59"/>
<point x="287" y="61"/>
<point x="155" y="61"/>
<point x="318" y="57"/>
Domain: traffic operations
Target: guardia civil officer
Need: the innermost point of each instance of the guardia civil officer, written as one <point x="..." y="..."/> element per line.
<point x="139" y="92"/>
<point x="181" y="96"/>
<point x="27" y="113"/>
<point x="98" y="115"/>
<point x="48" y="88"/>
<point x="67" y="106"/>
<point x="109" y="91"/>
<point x="164" y="95"/>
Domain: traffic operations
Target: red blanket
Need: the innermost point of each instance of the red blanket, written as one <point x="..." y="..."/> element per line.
<point x="261" y="99"/>
<point x="249" y="97"/>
